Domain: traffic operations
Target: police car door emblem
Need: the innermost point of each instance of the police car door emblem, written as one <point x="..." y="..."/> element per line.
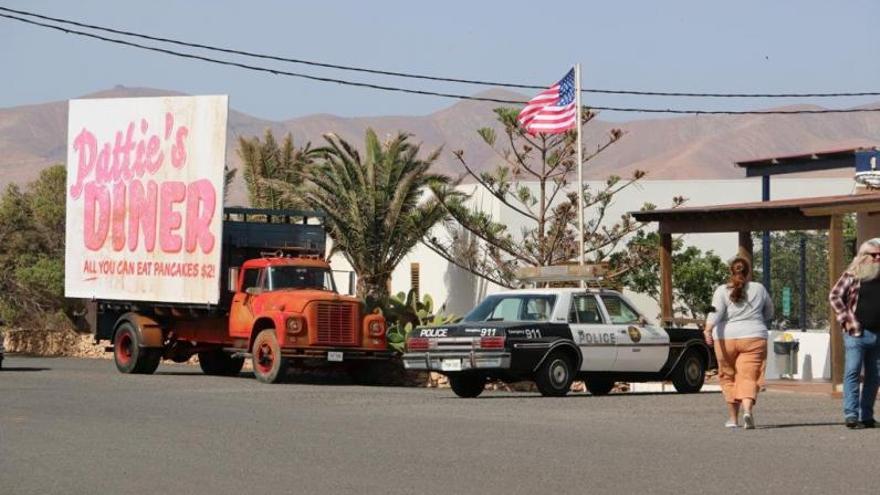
<point x="635" y="334"/>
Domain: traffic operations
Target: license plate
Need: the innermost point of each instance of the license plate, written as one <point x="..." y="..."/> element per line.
<point x="334" y="356"/>
<point x="450" y="365"/>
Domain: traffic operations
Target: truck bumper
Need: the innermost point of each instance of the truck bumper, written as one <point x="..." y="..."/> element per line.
<point x="333" y="354"/>
<point x="446" y="362"/>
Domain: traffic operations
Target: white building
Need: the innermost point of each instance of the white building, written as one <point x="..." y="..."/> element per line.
<point x="460" y="291"/>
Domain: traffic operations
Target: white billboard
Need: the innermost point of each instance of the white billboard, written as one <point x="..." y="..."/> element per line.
<point x="145" y="198"/>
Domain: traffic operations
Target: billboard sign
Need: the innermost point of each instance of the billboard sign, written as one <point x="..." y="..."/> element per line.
<point x="145" y="198"/>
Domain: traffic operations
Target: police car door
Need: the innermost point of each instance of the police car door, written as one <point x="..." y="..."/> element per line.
<point x="640" y="347"/>
<point x="592" y="333"/>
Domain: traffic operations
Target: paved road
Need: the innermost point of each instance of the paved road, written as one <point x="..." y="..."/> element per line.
<point x="72" y="426"/>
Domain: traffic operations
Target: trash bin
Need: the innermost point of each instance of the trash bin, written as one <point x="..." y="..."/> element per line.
<point x="786" y="358"/>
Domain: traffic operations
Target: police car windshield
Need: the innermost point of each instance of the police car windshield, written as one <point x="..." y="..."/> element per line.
<point x="526" y="307"/>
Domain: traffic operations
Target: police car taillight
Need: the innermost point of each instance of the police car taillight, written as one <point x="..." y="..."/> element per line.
<point x="417" y="344"/>
<point x="491" y="342"/>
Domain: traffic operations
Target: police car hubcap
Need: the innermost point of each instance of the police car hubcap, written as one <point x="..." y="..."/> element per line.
<point x="693" y="371"/>
<point x="558" y="372"/>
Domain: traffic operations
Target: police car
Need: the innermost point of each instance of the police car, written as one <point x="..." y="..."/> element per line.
<point x="555" y="336"/>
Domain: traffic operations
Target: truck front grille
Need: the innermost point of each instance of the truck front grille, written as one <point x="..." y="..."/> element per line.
<point x="336" y="323"/>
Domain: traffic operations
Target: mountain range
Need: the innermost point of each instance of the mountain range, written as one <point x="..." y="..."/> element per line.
<point x="33" y="137"/>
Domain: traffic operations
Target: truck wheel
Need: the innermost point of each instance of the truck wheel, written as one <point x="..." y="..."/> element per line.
<point x="128" y="354"/>
<point x="220" y="363"/>
<point x="555" y="375"/>
<point x="467" y="385"/>
<point x="269" y="366"/>
<point x="599" y="386"/>
<point x="689" y="375"/>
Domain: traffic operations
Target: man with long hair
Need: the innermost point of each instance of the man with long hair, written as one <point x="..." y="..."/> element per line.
<point x="855" y="299"/>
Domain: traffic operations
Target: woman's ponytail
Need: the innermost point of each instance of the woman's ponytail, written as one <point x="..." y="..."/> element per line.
<point x="739" y="273"/>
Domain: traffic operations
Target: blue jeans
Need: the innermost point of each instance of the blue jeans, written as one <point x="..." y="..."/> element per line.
<point x="861" y="352"/>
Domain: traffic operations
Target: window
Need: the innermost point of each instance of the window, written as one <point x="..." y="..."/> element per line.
<point x="301" y="277"/>
<point x="619" y="311"/>
<point x="251" y="279"/>
<point x="531" y="307"/>
<point x="585" y="309"/>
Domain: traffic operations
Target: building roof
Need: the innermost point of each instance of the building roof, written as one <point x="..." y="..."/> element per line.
<point x="805" y="162"/>
<point x="784" y="214"/>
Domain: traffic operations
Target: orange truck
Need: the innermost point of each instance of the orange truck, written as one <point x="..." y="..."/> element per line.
<point x="279" y="306"/>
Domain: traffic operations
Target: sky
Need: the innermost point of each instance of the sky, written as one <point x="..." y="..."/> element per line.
<point x="695" y="46"/>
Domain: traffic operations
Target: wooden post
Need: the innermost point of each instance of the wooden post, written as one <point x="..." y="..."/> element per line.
<point x="746" y="248"/>
<point x="666" y="278"/>
<point x="835" y="269"/>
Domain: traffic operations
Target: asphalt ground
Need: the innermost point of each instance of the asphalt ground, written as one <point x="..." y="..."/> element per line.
<point x="71" y="426"/>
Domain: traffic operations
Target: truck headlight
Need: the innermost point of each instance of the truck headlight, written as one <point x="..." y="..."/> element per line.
<point x="294" y="325"/>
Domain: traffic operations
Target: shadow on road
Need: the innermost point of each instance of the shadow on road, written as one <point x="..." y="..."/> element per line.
<point x="535" y="395"/>
<point x="22" y="368"/>
<point x="797" y="425"/>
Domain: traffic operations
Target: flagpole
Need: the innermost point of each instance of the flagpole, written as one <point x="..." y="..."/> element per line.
<point x="580" y="162"/>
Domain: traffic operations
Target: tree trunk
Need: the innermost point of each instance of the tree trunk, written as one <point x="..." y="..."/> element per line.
<point x="373" y="287"/>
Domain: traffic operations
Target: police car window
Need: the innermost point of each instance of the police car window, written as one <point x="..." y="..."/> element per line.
<point x="585" y="309"/>
<point x="513" y="308"/>
<point x="619" y="311"/>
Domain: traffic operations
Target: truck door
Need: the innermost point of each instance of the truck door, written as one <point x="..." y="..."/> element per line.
<point x="640" y="347"/>
<point x="241" y="314"/>
<point x="592" y="333"/>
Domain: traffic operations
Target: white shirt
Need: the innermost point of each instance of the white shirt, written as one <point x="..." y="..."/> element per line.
<point x="744" y="320"/>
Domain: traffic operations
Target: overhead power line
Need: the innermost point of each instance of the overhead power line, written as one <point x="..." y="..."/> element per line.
<point x="409" y="90"/>
<point x="428" y="77"/>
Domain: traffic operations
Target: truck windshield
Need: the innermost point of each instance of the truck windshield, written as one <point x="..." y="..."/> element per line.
<point x="300" y="277"/>
<point x="526" y="307"/>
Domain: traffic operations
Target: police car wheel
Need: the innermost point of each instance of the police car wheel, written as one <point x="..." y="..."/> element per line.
<point x="555" y="375"/>
<point x="690" y="373"/>
<point x="599" y="386"/>
<point x="467" y="385"/>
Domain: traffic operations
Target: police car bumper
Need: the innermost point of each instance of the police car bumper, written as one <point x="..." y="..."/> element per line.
<point x="447" y="362"/>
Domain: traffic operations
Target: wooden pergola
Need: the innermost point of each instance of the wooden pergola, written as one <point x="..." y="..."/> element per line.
<point x="822" y="213"/>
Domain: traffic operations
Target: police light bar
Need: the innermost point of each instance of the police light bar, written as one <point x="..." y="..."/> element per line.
<point x="868" y="168"/>
<point x="562" y="273"/>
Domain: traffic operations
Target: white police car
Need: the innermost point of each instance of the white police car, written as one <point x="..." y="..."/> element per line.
<point x="554" y="336"/>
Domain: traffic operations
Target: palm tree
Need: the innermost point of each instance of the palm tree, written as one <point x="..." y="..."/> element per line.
<point x="274" y="174"/>
<point x="374" y="207"/>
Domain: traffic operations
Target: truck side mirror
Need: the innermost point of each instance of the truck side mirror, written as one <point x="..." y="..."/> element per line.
<point x="233" y="279"/>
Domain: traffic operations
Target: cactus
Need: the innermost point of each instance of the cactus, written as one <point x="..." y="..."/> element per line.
<point x="404" y="312"/>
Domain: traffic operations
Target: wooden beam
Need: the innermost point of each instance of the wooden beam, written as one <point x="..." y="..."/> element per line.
<point x="665" y="277"/>
<point x="842" y="209"/>
<point x="835" y="270"/>
<point x="758" y="221"/>
<point x="792" y="166"/>
<point x="746" y="248"/>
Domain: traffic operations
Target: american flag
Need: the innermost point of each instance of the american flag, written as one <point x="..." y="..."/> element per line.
<point x="553" y="110"/>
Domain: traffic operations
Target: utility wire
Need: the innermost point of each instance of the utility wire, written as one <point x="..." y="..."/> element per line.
<point x="429" y="77"/>
<point x="417" y="91"/>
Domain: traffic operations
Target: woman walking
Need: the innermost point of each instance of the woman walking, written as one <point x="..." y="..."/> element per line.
<point x="856" y="302"/>
<point x="738" y="330"/>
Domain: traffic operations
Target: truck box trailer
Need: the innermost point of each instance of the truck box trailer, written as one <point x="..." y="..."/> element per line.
<point x="278" y="305"/>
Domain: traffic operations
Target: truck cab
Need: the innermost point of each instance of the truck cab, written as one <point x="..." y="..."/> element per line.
<point x="288" y="308"/>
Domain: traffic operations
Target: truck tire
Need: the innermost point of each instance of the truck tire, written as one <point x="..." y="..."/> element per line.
<point x="467" y="385"/>
<point x="269" y="365"/>
<point x="690" y="374"/>
<point x="219" y="363"/>
<point x="599" y="386"/>
<point x="128" y="354"/>
<point x="555" y="375"/>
